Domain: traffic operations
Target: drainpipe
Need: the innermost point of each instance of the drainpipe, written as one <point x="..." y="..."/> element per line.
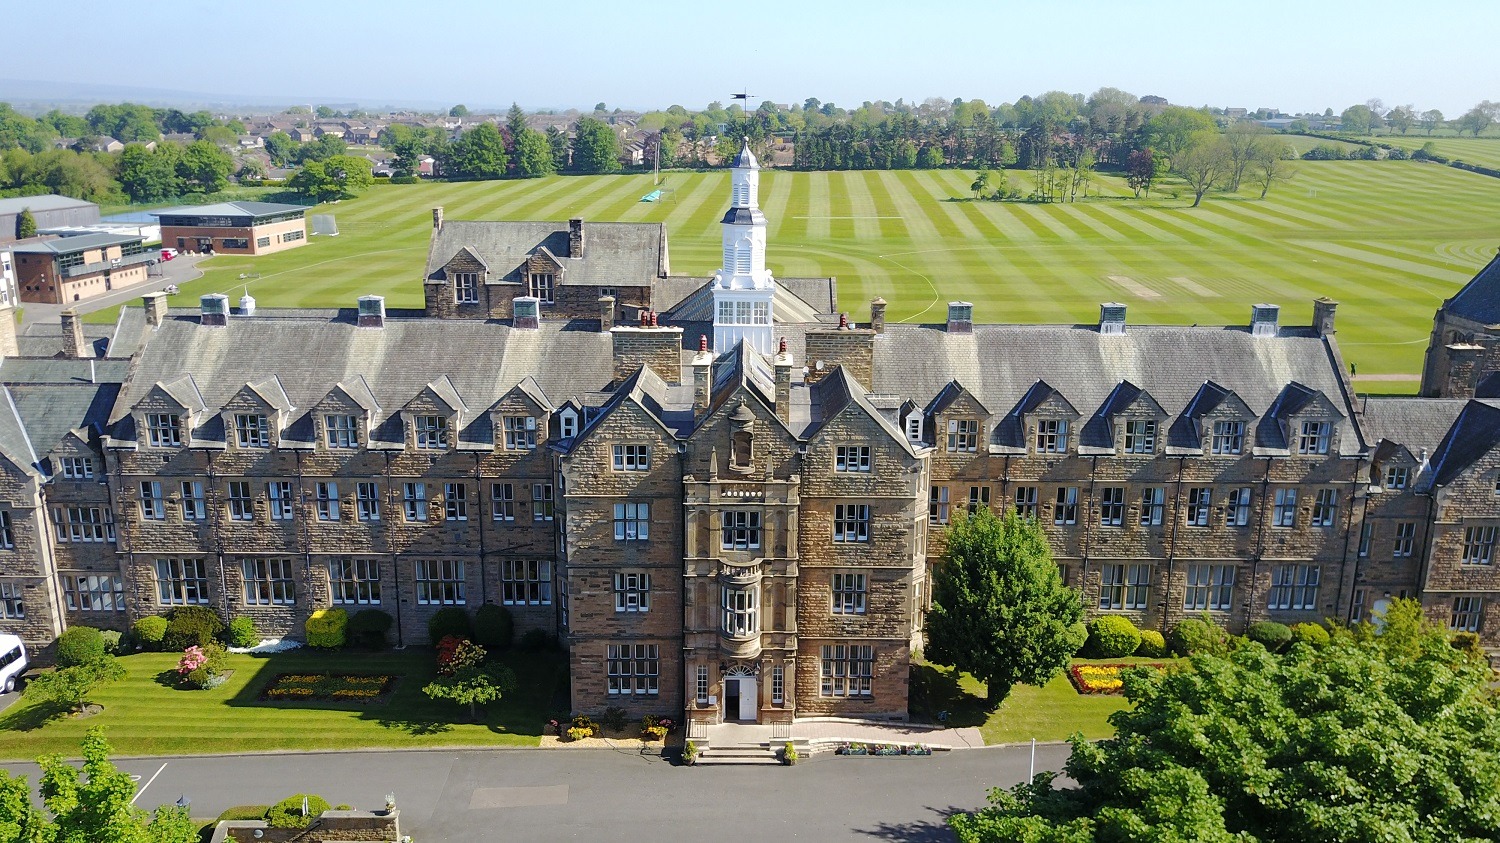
<point x="1364" y="522"/>
<point x="1172" y="537"/>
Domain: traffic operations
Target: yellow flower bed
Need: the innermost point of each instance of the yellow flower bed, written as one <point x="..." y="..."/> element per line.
<point x="1103" y="678"/>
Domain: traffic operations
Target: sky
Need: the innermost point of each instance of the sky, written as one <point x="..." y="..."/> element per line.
<point x="1293" y="56"/>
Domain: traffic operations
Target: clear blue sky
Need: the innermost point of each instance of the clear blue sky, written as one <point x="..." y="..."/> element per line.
<point x="1303" y="55"/>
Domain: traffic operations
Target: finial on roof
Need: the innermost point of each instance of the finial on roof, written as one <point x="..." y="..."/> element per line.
<point x="843" y="321"/>
<point x="702" y="343"/>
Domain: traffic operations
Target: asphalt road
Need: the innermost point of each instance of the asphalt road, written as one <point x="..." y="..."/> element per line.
<point x="547" y="795"/>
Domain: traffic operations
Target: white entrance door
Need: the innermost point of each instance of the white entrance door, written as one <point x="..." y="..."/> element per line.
<point x="1378" y="610"/>
<point x="749" y="702"/>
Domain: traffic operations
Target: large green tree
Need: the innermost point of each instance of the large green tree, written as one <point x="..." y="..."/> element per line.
<point x="533" y="154"/>
<point x="148" y="175"/>
<point x="1356" y="120"/>
<point x="999" y="607"/>
<point x="1204" y="162"/>
<point x="1478" y="118"/>
<point x="280" y="148"/>
<point x="1172" y="129"/>
<point x="204" y="167"/>
<point x="596" y="148"/>
<point x="25" y="224"/>
<point x="340" y="177"/>
<point x="1389" y="737"/>
<point x="478" y="153"/>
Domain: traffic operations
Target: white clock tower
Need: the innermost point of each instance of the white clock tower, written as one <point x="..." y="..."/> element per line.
<point x="743" y="289"/>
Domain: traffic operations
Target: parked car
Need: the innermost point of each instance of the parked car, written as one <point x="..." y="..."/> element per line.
<point x="171" y="289"/>
<point x="13" y="662"/>
<point x="168" y="254"/>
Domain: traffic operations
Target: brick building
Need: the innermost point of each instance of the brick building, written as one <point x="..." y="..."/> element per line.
<point x="234" y="228"/>
<point x="62" y="270"/>
<point x="721" y="494"/>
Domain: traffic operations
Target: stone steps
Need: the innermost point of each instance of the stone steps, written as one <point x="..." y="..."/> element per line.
<point x="740" y="754"/>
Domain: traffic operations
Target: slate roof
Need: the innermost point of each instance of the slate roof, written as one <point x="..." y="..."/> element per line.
<point x="45" y="339"/>
<point x="1418" y="424"/>
<point x="1475" y="432"/>
<point x="44" y="399"/>
<point x="1479" y="299"/>
<point x="699" y="307"/>
<point x="615" y="254"/>
<point x="69" y="245"/>
<point x="229" y="209"/>
<point x="47" y="202"/>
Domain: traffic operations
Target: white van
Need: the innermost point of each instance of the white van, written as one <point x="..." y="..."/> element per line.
<point x="13" y="662"/>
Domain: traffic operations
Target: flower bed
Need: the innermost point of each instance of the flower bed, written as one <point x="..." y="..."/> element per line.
<point x="329" y="687"/>
<point x="1103" y="678"/>
<point x="856" y="748"/>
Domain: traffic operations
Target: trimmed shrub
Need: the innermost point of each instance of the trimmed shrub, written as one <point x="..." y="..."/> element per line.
<point x="114" y="642"/>
<point x="494" y="628"/>
<point x="150" y="632"/>
<point x="1192" y="635"/>
<point x="325" y="628"/>
<point x="79" y="645"/>
<point x="192" y="626"/>
<point x="242" y="632"/>
<point x="1313" y="634"/>
<point x="450" y="621"/>
<point x="367" y="628"/>
<point x="615" y="718"/>
<point x="247" y="812"/>
<point x="1270" y="634"/>
<point x="288" y="812"/>
<point x="1153" y="645"/>
<point x="536" y="640"/>
<point x="1112" y="636"/>
<point x="1081" y="632"/>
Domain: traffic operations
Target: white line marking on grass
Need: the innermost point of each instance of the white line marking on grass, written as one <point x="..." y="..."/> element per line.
<point x="1133" y="287"/>
<point x="148" y="782"/>
<point x="1193" y="287"/>
<point x="928" y="281"/>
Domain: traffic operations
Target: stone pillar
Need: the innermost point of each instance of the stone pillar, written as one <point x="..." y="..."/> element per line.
<point x="606" y="312"/>
<point x="437" y="218"/>
<point x="575" y="237"/>
<point x="703" y="367"/>
<point x="72" y="332"/>
<point x="783" y="384"/>
<point x="877" y="315"/>
<point x="1323" y="310"/>
<point x="156" y="308"/>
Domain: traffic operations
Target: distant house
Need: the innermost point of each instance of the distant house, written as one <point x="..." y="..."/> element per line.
<point x="104" y="144"/>
<point x="301" y="135"/>
<point x="633" y="154"/>
<point x="70" y="269"/>
<point x="427" y="166"/>
<point x="334" y="129"/>
<point x="49" y="211"/>
<point x="180" y="137"/>
<point x="239" y="228"/>
<point x="252" y="141"/>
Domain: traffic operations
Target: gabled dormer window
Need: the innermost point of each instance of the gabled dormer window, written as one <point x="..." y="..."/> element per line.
<point x="1396" y="476"/>
<point x="520" y="433"/>
<point x="431" y="432"/>
<point x="341" y="431"/>
<point x="1314" y="437"/>
<point x="1051" y="436"/>
<point x="466" y="288"/>
<point x="251" y="430"/>
<point x="963" y="435"/>
<point x="568" y="424"/>
<point x="1140" y="436"/>
<point x="78" y="468"/>
<point x="541" y="285"/>
<point x="164" y="430"/>
<point x="914" y="427"/>
<point x="1228" y="437"/>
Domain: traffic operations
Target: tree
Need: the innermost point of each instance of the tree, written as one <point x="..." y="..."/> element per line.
<point x="1432" y="119"/>
<point x="1270" y="163"/>
<point x="596" y="148"/>
<point x="1356" y="120"/>
<point x="1351" y="742"/>
<point x="515" y="122"/>
<point x="999" y="609"/>
<point x="340" y="177"/>
<point x="981" y="183"/>
<point x="478" y="153"/>
<point x="70" y="687"/>
<point x="1172" y="129"/>
<point x="473" y="685"/>
<point x="323" y="112"/>
<point x="321" y="149"/>
<point x="25" y="224"/>
<point x="1479" y="118"/>
<point x="204" y="168"/>
<point x="280" y="148"/>
<point x="533" y="154"/>
<point x="459" y="111"/>
<point x="557" y="139"/>
<point x="1140" y="171"/>
<point x="407" y="147"/>
<point x="1203" y="163"/>
<point x="1401" y="118"/>
<point x="599" y="108"/>
<point x="1239" y="143"/>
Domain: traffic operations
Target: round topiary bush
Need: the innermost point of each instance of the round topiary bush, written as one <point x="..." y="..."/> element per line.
<point x="367" y="628"/>
<point x="1192" y="635"/>
<point x="325" y="628"/>
<point x="1112" y="636"/>
<point x="494" y="628"/>
<point x="288" y="812"/>
<point x="1153" y="645"/>
<point x="450" y="621"/>
<point x="150" y="632"/>
<point x="242" y="632"/>
<point x="1313" y="634"/>
<point x="192" y="626"/>
<point x="1270" y="634"/>
<point x="114" y="642"/>
<point x="79" y="645"/>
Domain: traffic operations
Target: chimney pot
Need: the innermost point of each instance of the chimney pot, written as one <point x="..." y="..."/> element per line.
<point x="781" y="348"/>
<point x="843" y="321"/>
<point x="653" y="320"/>
<point x="703" y="343"/>
<point x="437" y="218"/>
<point x="877" y="314"/>
<point x="645" y="318"/>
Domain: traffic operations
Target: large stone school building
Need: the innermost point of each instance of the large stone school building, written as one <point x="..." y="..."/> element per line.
<point x="725" y="495"/>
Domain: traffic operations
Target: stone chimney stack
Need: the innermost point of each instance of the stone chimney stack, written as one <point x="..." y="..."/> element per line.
<point x="703" y="369"/>
<point x="372" y="311"/>
<point x="960" y="317"/>
<point x="784" y="383"/>
<point x="156" y="308"/>
<point x="1323" y="310"/>
<point x="575" y="237"/>
<point x="213" y="310"/>
<point x="437" y="218"/>
<point x="72" y="332"/>
<point x="9" y="347"/>
<point x="877" y="315"/>
<point x="606" y="312"/>
<point x="1264" y="319"/>
<point x="657" y="348"/>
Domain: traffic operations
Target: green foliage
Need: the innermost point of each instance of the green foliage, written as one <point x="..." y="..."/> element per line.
<point x="92" y="805"/>
<point x="242" y="632"/>
<point x="534" y="155"/>
<point x="320" y="149"/>
<point x="280" y="148"/>
<point x="114" y="642"/>
<point x="1313" y="634"/>
<point x="204" y="168"/>
<point x="339" y="177"/>
<point x="536" y="640"/>
<point x="1000" y="610"/>
<point x="191" y="626"/>
<point x="20" y="820"/>
<point x="1468" y="644"/>
<point x="325" y="628"/>
<point x="149" y="175"/>
<point x="1153" y="645"/>
<point x="79" y="645"/>
<point x="596" y="148"/>
<point x="150" y="632"/>
<point x="203" y="677"/>
<point x="1270" y="634"/>
<point x="1356" y="741"/>
<point x="930" y="157"/>
<point x="288" y="812"/>
<point x="70" y="687"/>
<point x="1170" y="131"/>
<point x="789" y="753"/>
<point x="494" y="627"/>
<point x="615" y="718"/>
<point x="1191" y="636"/>
<point x="1356" y="120"/>
<point x="473" y="686"/>
<point x="479" y="153"/>
<point x="25" y="224"/>
<point x="458" y="111"/>
<point x="1112" y="636"/>
<point x="447" y="621"/>
<point x="689" y="752"/>
<point x="368" y="627"/>
<point x="246" y="812"/>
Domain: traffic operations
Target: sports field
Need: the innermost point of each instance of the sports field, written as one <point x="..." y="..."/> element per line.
<point x="1483" y="150"/>
<point x="1388" y="239"/>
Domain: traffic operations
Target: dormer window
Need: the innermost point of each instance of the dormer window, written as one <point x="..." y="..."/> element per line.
<point x="1051" y="436"/>
<point x="914" y="427"/>
<point x="541" y="285"/>
<point x="1396" y="476"/>
<point x="164" y="430"/>
<point x="78" y="468"/>
<point x="1140" y="436"/>
<point x="1314" y="438"/>
<point x="741" y="440"/>
<point x="567" y="423"/>
<point x="466" y="288"/>
<point x="520" y="433"/>
<point x="431" y="433"/>
<point x="251" y="430"/>
<point x="963" y="435"/>
<point x="1229" y="437"/>
<point x="341" y="431"/>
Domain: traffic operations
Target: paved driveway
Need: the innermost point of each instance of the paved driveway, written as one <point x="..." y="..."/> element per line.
<point x="547" y="795"/>
<point x="179" y="270"/>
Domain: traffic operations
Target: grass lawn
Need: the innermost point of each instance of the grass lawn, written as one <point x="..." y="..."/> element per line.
<point x="1388" y="239"/>
<point x="143" y="715"/>
<point x="1483" y="150"/>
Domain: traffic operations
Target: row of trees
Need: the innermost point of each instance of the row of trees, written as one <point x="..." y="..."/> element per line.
<point x="1364" y="118"/>
<point x="169" y="170"/>
<point x="126" y="122"/>
<point x="491" y="151"/>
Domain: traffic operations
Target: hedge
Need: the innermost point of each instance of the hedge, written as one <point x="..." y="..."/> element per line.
<point x="150" y="632"/>
<point x="494" y="628"/>
<point x="288" y="812"/>
<point x="449" y="621"/>
<point x="1310" y="633"/>
<point x="242" y="632"/>
<point x="1153" y="645"/>
<point x="1270" y="634"/>
<point x="1112" y="636"/>
<point x="325" y="628"/>
<point x="79" y="645"/>
<point x="1191" y="635"/>
<point x="367" y="628"/>
<point x="192" y="626"/>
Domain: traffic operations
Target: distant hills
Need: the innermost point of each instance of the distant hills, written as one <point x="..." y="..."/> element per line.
<point x="30" y="95"/>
